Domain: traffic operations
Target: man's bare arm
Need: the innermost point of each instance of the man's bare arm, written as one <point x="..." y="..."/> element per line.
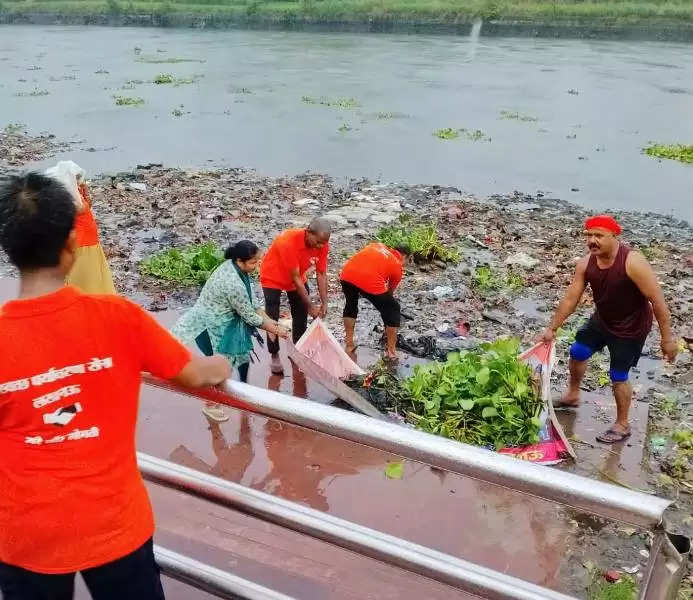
<point x="300" y="286"/>
<point x="313" y="311"/>
<point x="569" y="302"/>
<point x="322" y="290"/>
<point x="641" y="273"/>
<point x="572" y="296"/>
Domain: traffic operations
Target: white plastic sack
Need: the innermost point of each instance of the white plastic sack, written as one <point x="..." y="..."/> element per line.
<point x="70" y="174"/>
<point x="318" y="344"/>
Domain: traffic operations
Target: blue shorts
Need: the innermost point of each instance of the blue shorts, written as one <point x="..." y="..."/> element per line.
<point x="624" y="353"/>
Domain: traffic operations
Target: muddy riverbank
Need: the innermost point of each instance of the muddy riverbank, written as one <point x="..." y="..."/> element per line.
<point x="517" y="253"/>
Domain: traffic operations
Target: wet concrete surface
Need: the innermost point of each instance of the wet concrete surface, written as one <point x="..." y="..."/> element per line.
<point x="616" y="463"/>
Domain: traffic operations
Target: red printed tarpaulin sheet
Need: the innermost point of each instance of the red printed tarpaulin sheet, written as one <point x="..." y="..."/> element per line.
<point x="553" y="446"/>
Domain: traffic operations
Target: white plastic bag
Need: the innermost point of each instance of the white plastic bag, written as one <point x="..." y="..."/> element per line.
<point x="318" y="344"/>
<point x="70" y="174"/>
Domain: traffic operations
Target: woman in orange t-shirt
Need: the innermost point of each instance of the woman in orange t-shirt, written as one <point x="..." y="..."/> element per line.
<point x="374" y="273"/>
<point x="90" y="273"/>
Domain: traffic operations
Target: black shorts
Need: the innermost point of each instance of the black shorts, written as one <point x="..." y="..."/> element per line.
<point x="135" y="575"/>
<point x="624" y="353"/>
<point x="386" y="304"/>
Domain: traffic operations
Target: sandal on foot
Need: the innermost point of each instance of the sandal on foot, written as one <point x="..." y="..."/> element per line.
<point x="610" y="436"/>
<point x="215" y="413"/>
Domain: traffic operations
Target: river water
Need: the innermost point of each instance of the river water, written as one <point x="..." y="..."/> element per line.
<point x="597" y="103"/>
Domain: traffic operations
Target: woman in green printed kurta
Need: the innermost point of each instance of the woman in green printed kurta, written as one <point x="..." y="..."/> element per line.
<point x="226" y="313"/>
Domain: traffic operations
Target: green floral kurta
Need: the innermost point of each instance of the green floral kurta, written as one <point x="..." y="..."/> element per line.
<point x="222" y="297"/>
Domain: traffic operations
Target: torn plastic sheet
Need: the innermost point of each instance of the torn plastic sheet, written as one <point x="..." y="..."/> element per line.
<point x="318" y="344"/>
<point x="553" y="446"/>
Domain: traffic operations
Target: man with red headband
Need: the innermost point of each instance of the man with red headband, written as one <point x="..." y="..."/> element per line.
<point x="626" y="293"/>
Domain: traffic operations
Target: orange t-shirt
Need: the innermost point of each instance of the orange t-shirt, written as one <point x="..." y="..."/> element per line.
<point x="375" y="269"/>
<point x="289" y="251"/>
<point x="86" y="228"/>
<point x="71" y="496"/>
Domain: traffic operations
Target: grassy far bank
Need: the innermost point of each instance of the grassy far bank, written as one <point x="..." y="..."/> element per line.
<point x="626" y="11"/>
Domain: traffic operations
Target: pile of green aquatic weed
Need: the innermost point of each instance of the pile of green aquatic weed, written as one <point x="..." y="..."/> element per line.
<point x="191" y="265"/>
<point x="420" y="238"/>
<point x="485" y="397"/>
<point x="680" y="152"/>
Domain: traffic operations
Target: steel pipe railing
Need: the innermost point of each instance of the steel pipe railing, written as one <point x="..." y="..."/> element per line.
<point x="581" y="493"/>
<point x="461" y="574"/>
<point x="210" y="579"/>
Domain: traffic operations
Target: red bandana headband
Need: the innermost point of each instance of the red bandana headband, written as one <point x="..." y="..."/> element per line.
<point x="603" y="222"/>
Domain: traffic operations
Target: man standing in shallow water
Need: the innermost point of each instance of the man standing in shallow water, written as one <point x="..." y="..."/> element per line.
<point x="626" y="293"/>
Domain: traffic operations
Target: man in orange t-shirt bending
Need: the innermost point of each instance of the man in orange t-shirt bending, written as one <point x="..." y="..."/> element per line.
<point x="284" y="268"/>
<point x="374" y="273"/>
<point x="71" y="496"/>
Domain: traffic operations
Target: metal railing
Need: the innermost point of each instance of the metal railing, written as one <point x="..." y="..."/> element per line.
<point x="210" y="579"/>
<point x="458" y="573"/>
<point x="599" y="498"/>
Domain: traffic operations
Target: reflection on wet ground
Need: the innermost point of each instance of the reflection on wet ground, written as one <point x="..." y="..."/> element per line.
<point x="480" y="522"/>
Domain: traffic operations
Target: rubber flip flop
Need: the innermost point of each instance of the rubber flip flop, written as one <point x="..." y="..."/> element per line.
<point x="611" y="437"/>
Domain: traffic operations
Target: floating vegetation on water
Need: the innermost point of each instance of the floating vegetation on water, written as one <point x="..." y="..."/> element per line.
<point x="485" y="397"/>
<point x="128" y="101"/>
<point x="515" y="116"/>
<point x="32" y="94"/>
<point x="345" y="103"/>
<point x="179" y="112"/>
<point x="344" y="128"/>
<point x="163" y="78"/>
<point x="421" y="239"/>
<point x="14" y="128"/>
<point x="681" y="152"/>
<point x="155" y="60"/>
<point x="448" y="133"/>
<point x="101" y="72"/>
<point x="63" y="78"/>
<point x="475" y="136"/>
<point x="190" y="265"/>
<point x="34" y="68"/>
<point x="166" y="78"/>
<point x="241" y="90"/>
<point x="386" y="116"/>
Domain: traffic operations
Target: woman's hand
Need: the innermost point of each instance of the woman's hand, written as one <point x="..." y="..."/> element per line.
<point x="281" y="332"/>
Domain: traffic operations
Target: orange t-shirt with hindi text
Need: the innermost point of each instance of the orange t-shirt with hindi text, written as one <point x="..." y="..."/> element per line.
<point x="375" y="269"/>
<point x="287" y="252"/>
<point x="71" y="495"/>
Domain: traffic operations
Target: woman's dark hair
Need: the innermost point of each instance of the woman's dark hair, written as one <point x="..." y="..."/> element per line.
<point x="243" y="250"/>
<point x="403" y="249"/>
<point x="37" y="214"/>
